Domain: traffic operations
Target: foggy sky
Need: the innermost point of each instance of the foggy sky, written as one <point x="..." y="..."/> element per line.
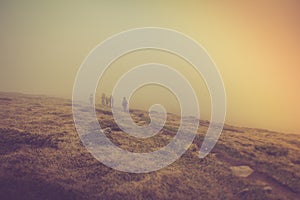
<point x="255" y="46"/>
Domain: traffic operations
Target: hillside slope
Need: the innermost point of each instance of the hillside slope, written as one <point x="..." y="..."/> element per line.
<point x="42" y="157"/>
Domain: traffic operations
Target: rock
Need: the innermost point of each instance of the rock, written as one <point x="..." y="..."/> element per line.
<point x="245" y="190"/>
<point x="141" y="123"/>
<point x="267" y="188"/>
<point x="107" y="130"/>
<point x="241" y="171"/>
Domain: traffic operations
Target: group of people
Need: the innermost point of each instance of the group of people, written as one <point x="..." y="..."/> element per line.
<point x="109" y="101"/>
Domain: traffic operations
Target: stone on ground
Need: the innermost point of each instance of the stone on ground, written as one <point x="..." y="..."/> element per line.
<point x="241" y="171"/>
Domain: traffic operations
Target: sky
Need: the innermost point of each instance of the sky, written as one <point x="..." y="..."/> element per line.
<point x="254" y="44"/>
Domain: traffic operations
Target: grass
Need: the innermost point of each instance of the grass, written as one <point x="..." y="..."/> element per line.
<point x="272" y="150"/>
<point x="42" y="157"/>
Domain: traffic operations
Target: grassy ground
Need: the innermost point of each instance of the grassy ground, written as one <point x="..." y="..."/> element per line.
<point x="42" y="157"/>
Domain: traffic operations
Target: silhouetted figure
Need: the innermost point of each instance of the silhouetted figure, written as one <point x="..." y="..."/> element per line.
<point x="124" y="104"/>
<point x="103" y="99"/>
<point x="107" y="101"/>
<point x="91" y="99"/>
<point x="111" y="101"/>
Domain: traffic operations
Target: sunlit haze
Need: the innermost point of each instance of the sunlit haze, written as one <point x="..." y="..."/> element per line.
<point x="255" y="46"/>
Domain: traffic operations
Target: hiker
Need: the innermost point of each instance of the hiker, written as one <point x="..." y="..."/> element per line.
<point x="107" y="101"/>
<point x="124" y="104"/>
<point x="91" y="99"/>
<point x="111" y="101"/>
<point x="103" y="99"/>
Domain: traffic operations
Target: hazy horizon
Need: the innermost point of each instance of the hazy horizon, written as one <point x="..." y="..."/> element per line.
<point x="254" y="45"/>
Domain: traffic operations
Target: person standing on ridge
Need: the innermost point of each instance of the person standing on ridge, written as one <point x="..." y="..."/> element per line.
<point x="107" y="101"/>
<point x="91" y="99"/>
<point x="111" y="101"/>
<point x="103" y="99"/>
<point x="124" y="104"/>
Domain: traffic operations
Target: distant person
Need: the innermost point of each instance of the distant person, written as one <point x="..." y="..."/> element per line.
<point x="91" y="99"/>
<point x="124" y="104"/>
<point x="103" y="99"/>
<point x="107" y="101"/>
<point x="111" y="101"/>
